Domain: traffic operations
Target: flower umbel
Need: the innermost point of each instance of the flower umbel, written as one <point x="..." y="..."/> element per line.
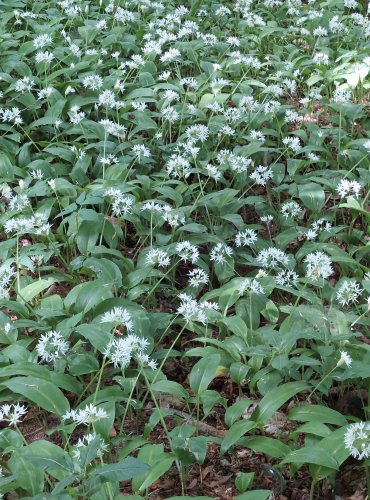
<point x="120" y="316"/>
<point x="86" y="416"/>
<point x="318" y="265"/>
<point x="357" y="440"/>
<point x="51" y="346"/>
<point x="12" y="413"/>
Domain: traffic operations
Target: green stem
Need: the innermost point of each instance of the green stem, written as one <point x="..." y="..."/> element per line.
<point x="312" y="489"/>
<point x="129" y="401"/>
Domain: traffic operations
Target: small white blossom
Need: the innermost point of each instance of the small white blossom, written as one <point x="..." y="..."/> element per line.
<point x="93" y="82"/>
<point x="198" y="277"/>
<point x="120" y="316"/>
<point x="291" y="209"/>
<point x="220" y="253"/>
<point x="348" y="292"/>
<point x="272" y="258"/>
<point x="190" y="310"/>
<point x="349" y="189"/>
<point x="86" y="416"/>
<point x="187" y="251"/>
<point x="248" y="237"/>
<point x="178" y="166"/>
<point x="45" y="57"/>
<point x="293" y="143"/>
<point x="196" y="133"/>
<point x="12" y="413"/>
<point x="51" y="346"/>
<point x="345" y="359"/>
<point x="158" y="257"/>
<point x="42" y="41"/>
<point x="357" y="440"/>
<point x="318" y="264"/>
<point x="287" y="278"/>
<point x="251" y="286"/>
<point x="261" y="175"/>
<point x="122" y="350"/>
<point x="84" y="442"/>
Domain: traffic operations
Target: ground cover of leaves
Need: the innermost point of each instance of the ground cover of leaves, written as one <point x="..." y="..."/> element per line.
<point x="184" y="249"/>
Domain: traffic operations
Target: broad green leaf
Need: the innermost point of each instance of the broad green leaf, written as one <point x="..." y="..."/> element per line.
<point x="89" y="452"/>
<point x="150" y="454"/>
<point x="8" y="437"/>
<point x="312" y="196"/>
<point x="81" y="364"/>
<point x="203" y="372"/>
<point x="120" y="471"/>
<point x="57" y="462"/>
<point x="268" y="446"/>
<point x="30" y="291"/>
<point x="156" y="472"/>
<point x="314" y="428"/>
<point x="105" y="270"/>
<point x="243" y="481"/>
<point x="6" y="168"/>
<point x="254" y="495"/>
<point x="273" y="400"/>
<point x="95" y="334"/>
<point x="238" y="372"/>
<point x="317" y="413"/>
<point x="236" y="410"/>
<point x="313" y="455"/>
<point x="91" y="294"/>
<point x="29" y="476"/>
<point x="170" y="387"/>
<point x="236" y="325"/>
<point x="62" y="380"/>
<point x="334" y="445"/>
<point x="104" y="426"/>
<point x="87" y="236"/>
<point x="235" y="432"/>
<point x="41" y="392"/>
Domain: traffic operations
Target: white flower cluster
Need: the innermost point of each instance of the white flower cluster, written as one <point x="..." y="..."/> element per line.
<point x="198" y="277"/>
<point x="120" y="316"/>
<point x="191" y="310"/>
<point x="245" y="238"/>
<point x="12" y="413"/>
<point x="345" y="359"/>
<point x="318" y="265"/>
<point x="121" y="204"/>
<point x="220" y="253"/>
<point x="12" y="115"/>
<point x="291" y="209"/>
<point x="34" y="225"/>
<point x="251" y="285"/>
<point x="86" y="416"/>
<point x="51" y="346"/>
<point x="287" y="278"/>
<point x="348" y="292"/>
<point x="6" y="275"/>
<point x="261" y="175"/>
<point x="187" y="251"/>
<point x="122" y="350"/>
<point x="155" y="257"/>
<point x="272" y="258"/>
<point x="83" y="442"/>
<point x="316" y="228"/>
<point x="114" y="128"/>
<point x="357" y="440"/>
<point x="349" y="189"/>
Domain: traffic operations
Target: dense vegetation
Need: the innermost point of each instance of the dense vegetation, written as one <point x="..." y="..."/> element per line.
<point x="184" y="251"/>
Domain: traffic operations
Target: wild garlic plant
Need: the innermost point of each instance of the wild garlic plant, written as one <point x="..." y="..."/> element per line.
<point x="184" y="236"/>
